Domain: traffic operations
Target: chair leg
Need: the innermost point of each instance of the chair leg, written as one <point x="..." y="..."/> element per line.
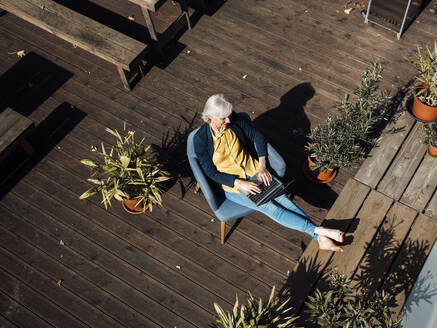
<point x="223" y="230"/>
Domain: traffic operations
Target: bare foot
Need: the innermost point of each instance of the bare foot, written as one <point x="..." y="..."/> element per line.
<point x="327" y="244"/>
<point x="335" y="234"/>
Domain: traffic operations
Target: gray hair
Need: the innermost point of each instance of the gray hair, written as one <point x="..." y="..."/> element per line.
<point x="216" y="106"/>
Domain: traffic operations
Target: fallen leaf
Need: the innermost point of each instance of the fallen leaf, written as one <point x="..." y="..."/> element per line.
<point x="61" y="242"/>
<point x="59" y="283"/>
<point x="245" y="76"/>
<point x="348" y="11"/>
<point x="131" y="18"/>
<point x="93" y="148"/>
<point x="21" y="53"/>
<point x="337" y="11"/>
<point x="415" y="3"/>
<point x="432" y="10"/>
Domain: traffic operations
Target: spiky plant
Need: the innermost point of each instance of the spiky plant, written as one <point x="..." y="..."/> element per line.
<point x="426" y="66"/>
<point x="342" y="307"/>
<point x="273" y="314"/>
<point x="128" y="170"/>
<point x="343" y="140"/>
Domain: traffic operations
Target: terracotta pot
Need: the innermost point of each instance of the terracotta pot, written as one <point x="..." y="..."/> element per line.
<point x="432" y="151"/>
<point x="421" y="111"/>
<point x="314" y="174"/>
<point x="130" y="206"/>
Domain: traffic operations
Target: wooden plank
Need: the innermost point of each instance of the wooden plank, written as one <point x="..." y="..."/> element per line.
<point x="422" y="186"/>
<point x="404" y="165"/>
<point x="35" y="302"/>
<point x="409" y="260"/>
<point x="92" y="26"/>
<point x="5" y="323"/>
<point x="46" y="285"/>
<point x="378" y="161"/>
<point x="149" y="4"/>
<point x="383" y="249"/>
<point x="313" y="261"/>
<point x="85" y="270"/>
<point x="431" y="209"/>
<point x="126" y="266"/>
<point x="72" y="32"/>
<point x="18" y="314"/>
<point x="368" y="220"/>
<point x="12" y="126"/>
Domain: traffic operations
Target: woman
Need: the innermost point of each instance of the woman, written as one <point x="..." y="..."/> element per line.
<point x="230" y="151"/>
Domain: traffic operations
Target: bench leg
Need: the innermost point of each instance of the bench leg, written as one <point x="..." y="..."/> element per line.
<point x="123" y="77"/>
<point x="184" y="10"/>
<point x="152" y="32"/>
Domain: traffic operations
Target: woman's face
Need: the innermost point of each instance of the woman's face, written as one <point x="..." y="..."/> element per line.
<point x="219" y="124"/>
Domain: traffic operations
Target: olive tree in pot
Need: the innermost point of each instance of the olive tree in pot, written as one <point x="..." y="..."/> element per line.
<point x="342" y="141"/>
<point x="127" y="172"/>
<point x="430" y="138"/>
<point x="425" y="91"/>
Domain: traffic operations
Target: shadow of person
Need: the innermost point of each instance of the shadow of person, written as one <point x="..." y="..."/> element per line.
<point x="286" y="127"/>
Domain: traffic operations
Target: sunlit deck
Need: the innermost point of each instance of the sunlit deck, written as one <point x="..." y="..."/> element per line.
<point x="285" y="63"/>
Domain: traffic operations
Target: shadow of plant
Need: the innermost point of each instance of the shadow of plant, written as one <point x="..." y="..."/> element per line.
<point x="402" y="260"/>
<point x="172" y="154"/>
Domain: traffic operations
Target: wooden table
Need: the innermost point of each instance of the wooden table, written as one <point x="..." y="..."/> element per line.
<point x="148" y="6"/>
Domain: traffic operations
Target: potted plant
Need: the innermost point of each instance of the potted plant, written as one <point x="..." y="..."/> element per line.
<point x="129" y="173"/>
<point x="430" y="138"/>
<point x="425" y="91"/>
<point x="273" y="314"/>
<point x="341" y="305"/>
<point x="342" y="141"/>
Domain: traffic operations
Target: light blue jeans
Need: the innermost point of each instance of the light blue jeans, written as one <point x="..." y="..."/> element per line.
<point x="281" y="209"/>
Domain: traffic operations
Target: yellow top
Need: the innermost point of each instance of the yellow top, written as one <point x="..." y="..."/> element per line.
<point x="230" y="157"/>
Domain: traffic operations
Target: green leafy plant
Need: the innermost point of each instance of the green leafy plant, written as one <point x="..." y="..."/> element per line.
<point x="426" y="66"/>
<point x="343" y="140"/>
<point x="128" y="170"/>
<point x="342" y="307"/>
<point x="429" y="132"/>
<point x="273" y="314"/>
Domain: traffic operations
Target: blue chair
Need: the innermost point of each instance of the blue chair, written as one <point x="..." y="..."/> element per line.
<point x="224" y="209"/>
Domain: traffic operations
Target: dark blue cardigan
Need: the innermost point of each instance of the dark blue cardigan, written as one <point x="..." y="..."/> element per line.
<point x="252" y="140"/>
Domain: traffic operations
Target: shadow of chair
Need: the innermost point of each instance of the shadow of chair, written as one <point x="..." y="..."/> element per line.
<point x="224" y="209"/>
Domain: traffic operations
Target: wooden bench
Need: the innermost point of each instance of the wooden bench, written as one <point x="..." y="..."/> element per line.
<point x="148" y="6"/>
<point x="100" y="40"/>
<point x="14" y="129"/>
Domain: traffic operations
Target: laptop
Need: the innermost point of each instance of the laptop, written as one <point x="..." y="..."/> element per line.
<point x="267" y="193"/>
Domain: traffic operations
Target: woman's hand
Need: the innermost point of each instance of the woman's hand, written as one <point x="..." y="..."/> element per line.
<point x="263" y="174"/>
<point x="250" y="186"/>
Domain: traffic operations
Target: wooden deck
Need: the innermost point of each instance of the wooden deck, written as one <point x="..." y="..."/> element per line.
<point x="388" y="211"/>
<point x="165" y="269"/>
